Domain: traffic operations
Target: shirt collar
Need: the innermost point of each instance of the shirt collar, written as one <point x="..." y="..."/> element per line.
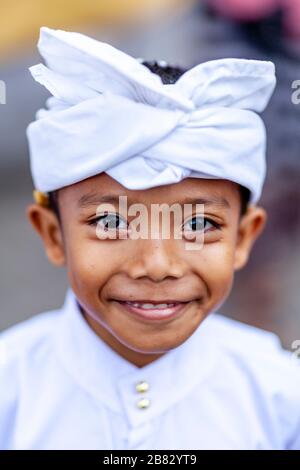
<point x="110" y="378"/>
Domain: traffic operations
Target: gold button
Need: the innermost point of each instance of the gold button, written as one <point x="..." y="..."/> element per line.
<point x="142" y="386"/>
<point x="143" y="403"/>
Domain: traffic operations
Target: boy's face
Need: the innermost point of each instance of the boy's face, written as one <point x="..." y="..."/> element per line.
<point x="106" y="273"/>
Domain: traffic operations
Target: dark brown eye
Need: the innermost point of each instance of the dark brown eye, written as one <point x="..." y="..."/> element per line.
<point x="199" y="223"/>
<point x="110" y="222"/>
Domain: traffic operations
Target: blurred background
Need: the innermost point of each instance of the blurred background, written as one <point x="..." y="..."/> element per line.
<point x="182" y="32"/>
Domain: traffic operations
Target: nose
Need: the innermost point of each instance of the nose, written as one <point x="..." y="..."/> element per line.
<point x="156" y="260"/>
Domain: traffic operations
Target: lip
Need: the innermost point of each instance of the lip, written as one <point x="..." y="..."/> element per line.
<point x="155" y="314"/>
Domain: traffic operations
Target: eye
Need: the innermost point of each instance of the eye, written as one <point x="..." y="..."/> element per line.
<point x="199" y="224"/>
<point x="112" y="221"/>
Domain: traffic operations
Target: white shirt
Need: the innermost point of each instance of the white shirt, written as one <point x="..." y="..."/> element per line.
<point x="228" y="386"/>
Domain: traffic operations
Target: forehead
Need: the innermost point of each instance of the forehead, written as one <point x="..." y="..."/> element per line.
<point x="103" y="188"/>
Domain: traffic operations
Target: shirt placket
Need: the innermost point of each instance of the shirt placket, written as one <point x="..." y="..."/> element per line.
<point x="139" y="407"/>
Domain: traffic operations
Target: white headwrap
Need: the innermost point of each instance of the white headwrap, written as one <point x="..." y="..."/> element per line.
<point x="110" y="113"/>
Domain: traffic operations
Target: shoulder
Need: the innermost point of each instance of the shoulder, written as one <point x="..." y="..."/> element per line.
<point x="253" y="347"/>
<point x="271" y="373"/>
<point x="20" y="346"/>
<point x="21" y="338"/>
<point x="234" y="334"/>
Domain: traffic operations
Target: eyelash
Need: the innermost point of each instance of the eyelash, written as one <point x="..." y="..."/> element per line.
<point x="206" y="219"/>
<point x="100" y="217"/>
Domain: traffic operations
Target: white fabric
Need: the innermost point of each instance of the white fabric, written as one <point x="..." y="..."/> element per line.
<point x="229" y="386"/>
<point x="110" y="113"/>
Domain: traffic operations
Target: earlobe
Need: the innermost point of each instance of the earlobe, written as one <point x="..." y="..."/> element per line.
<point x="46" y="224"/>
<point x="250" y="227"/>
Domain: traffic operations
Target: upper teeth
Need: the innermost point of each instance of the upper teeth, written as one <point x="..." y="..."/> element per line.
<point x="137" y="304"/>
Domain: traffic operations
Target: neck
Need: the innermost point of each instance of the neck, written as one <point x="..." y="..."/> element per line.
<point x="137" y="358"/>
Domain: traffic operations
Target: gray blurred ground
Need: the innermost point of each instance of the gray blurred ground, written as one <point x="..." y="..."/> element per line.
<point x="266" y="293"/>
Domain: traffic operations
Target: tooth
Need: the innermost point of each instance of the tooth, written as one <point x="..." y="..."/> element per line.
<point x="149" y="305"/>
<point x="155" y="305"/>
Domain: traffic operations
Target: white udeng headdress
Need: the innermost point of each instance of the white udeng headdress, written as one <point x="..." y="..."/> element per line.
<point x="110" y="113"/>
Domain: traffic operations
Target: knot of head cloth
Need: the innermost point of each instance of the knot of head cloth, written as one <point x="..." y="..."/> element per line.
<point x="109" y="113"/>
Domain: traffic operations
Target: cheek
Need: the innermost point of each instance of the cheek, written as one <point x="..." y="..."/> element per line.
<point x="215" y="266"/>
<point x="91" y="263"/>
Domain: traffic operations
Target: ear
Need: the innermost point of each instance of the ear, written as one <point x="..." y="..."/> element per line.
<point x="250" y="227"/>
<point x="46" y="224"/>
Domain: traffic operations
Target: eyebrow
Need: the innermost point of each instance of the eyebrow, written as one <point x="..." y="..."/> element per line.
<point x="221" y="202"/>
<point x="94" y="199"/>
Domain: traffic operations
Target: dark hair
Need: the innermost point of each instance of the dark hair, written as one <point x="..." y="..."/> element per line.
<point x="245" y="198"/>
<point x="169" y="74"/>
<point x="53" y="203"/>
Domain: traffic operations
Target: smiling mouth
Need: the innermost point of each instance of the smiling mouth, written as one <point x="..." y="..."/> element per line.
<point x="154" y="310"/>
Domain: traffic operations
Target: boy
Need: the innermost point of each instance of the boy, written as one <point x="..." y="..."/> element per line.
<point x="138" y="358"/>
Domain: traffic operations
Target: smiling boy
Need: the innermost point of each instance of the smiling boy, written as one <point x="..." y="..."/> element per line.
<point x="138" y="357"/>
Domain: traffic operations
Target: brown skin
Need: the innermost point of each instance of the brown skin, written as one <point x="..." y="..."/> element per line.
<point x="103" y="271"/>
